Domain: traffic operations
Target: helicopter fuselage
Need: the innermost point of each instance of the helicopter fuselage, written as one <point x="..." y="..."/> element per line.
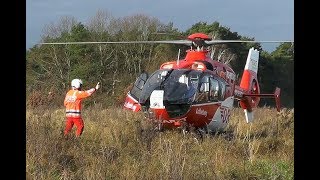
<point x="196" y="91"/>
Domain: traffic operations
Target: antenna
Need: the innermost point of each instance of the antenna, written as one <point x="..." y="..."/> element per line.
<point x="178" y="58"/>
<point x="212" y="52"/>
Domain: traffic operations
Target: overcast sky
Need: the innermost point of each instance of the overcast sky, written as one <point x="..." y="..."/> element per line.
<point x="261" y="19"/>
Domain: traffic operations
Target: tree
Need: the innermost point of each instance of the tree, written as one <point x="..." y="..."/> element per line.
<point x="53" y="30"/>
<point x="284" y="50"/>
<point x="277" y="69"/>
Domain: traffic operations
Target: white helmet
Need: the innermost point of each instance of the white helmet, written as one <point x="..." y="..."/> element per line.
<point x="76" y="83"/>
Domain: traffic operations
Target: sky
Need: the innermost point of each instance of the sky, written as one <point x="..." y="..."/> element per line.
<point x="260" y="19"/>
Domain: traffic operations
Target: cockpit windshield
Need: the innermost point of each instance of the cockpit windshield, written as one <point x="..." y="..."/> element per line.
<point x="179" y="85"/>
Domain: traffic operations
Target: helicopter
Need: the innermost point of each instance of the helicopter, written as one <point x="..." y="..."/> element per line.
<point x="196" y="91"/>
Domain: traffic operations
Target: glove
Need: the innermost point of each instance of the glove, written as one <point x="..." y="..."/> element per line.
<point x="98" y="86"/>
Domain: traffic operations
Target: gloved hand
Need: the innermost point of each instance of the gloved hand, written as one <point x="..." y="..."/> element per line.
<point x="98" y="86"/>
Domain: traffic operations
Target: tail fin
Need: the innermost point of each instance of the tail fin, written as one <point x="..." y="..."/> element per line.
<point x="249" y="90"/>
<point x="249" y="81"/>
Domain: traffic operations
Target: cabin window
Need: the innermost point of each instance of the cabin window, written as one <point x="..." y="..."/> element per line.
<point x="222" y="90"/>
<point x="217" y="89"/>
<point x="214" y="90"/>
<point x="202" y="95"/>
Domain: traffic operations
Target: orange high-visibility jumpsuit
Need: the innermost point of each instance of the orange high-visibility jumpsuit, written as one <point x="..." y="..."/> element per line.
<point x="72" y="102"/>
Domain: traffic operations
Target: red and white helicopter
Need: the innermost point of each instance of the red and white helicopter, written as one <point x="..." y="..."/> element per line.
<point x="196" y="91"/>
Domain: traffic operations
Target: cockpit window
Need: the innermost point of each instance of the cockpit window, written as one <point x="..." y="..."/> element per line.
<point x="138" y="85"/>
<point x="179" y="88"/>
<point x="181" y="85"/>
<point x="154" y="82"/>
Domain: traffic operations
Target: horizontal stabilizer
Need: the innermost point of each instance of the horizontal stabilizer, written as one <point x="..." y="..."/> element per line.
<point x="275" y="95"/>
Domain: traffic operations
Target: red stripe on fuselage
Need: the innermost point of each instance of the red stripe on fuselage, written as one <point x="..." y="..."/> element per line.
<point x="198" y="115"/>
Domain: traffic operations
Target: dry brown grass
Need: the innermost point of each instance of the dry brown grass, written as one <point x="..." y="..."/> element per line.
<point x="119" y="144"/>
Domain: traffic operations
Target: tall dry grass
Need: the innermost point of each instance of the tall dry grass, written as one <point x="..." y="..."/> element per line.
<point x="119" y="144"/>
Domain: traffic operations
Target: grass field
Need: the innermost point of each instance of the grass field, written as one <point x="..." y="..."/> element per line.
<point x="119" y="144"/>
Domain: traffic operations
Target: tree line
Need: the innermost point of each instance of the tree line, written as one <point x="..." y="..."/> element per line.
<point x="50" y="68"/>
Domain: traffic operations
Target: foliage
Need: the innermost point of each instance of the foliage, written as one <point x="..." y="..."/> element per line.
<point x="277" y="70"/>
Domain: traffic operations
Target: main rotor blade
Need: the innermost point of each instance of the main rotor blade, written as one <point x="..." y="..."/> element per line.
<point x="212" y="42"/>
<point x="184" y="42"/>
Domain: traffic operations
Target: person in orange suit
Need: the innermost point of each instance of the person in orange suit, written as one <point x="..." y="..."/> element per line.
<point x="72" y="102"/>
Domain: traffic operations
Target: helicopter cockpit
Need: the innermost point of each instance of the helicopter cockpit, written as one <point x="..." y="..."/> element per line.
<point x="181" y="88"/>
<point x="179" y="85"/>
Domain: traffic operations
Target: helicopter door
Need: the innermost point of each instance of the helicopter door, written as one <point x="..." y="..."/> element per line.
<point x="131" y="101"/>
<point x="135" y="92"/>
